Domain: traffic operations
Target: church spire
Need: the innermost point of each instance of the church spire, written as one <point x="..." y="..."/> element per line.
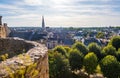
<point x="43" y="22"/>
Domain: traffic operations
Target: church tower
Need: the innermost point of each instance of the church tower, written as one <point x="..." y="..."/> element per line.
<point x="43" y="22"/>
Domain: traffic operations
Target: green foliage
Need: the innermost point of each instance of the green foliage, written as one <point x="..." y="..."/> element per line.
<point x="58" y="65"/>
<point x="98" y="69"/>
<point x="81" y="47"/>
<point x="76" y="59"/>
<point x="110" y="67"/>
<point x="118" y="55"/>
<point x="4" y="57"/>
<point x="90" y="62"/>
<point x="22" y="71"/>
<point x="31" y="67"/>
<point x="115" y="42"/>
<point x="11" y="74"/>
<point x="93" y="47"/>
<point x="19" y="73"/>
<point x="60" y="49"/>
<point x="109" y="50"/>
<point x="68" y="49"/>
<point x="85" y="58"/>
<point x="35" y="73"/>
<point x="100" y="35"/>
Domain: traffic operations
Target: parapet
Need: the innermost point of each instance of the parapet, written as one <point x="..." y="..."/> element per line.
<point x="31" y="62"/>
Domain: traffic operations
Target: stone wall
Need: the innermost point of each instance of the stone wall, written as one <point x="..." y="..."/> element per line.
<point x="2" y="32"/>
<point x="13" y="47"/>
<point x="32" y="64"/>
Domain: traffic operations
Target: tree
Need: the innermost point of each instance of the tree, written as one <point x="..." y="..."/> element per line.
<point x="115" y="42"/>
<point x="118" y="55"/>
<point x="58" y="65"/>
<point x="60" y="49"/>
<point x="100" y="35"/>
<point x="109" y="50"/>
<point x="67" y="50"/>
<point x="76" y="60"/>
<point x="110" y="67"/>
<point x="93" y="47"/>
<point x="81" y="47"/>
<point x="90" y="62"/>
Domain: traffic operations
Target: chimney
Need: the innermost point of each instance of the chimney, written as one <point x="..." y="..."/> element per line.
<point x="0" y="20"/>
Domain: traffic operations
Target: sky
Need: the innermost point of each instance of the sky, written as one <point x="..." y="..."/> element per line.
<point x="61" y="13"/>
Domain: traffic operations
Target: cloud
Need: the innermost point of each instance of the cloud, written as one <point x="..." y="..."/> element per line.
<point x="61" y="12"/>
<point x="34" y="2"/>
